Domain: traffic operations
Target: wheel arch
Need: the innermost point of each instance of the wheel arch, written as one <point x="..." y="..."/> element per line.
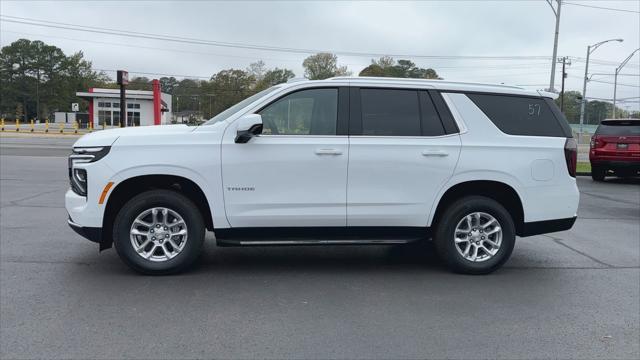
<point x="499" y="191"/>
<point x="134" y="185"/>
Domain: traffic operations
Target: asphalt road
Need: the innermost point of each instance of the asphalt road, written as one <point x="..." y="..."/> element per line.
<point x="573" y="294"/>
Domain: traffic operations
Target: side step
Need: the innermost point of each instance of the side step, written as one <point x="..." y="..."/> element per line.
<point x="311" y="242"/>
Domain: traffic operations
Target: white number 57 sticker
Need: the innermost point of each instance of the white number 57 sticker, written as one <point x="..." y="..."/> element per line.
<point x="534" y="109"/>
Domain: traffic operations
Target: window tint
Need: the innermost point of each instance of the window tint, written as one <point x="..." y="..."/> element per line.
<point x="519" y="115"/>
<point x="431" y="124"/>
<point x="387" y="112"/>
<point x="306" y="112"/>
<point x="619" y="128"/>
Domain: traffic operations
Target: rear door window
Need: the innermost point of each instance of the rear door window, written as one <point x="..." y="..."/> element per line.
<point x="519" y="115"/>
<point x="398" y="112"/>
<point x="390" y="112"/>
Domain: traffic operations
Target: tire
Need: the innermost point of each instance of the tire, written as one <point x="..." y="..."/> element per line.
<point x="455" y="217"/>
<point x="598" y="173"/>
<point x="170" y="207"/>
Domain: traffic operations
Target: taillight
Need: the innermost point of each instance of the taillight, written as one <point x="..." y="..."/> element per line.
<point x="571" y="155"/>
<point x="596" y="142"/>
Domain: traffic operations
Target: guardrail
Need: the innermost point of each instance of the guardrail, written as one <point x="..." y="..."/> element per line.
<point x="47" y="127"/>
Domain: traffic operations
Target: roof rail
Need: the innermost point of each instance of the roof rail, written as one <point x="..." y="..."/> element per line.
<point x="433" y="81"/>
<point x="295" y="80"/>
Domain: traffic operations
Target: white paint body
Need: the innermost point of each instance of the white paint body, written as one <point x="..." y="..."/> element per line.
<point x="299" y="180"/>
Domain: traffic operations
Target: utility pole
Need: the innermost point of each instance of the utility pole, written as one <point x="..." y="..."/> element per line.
<point x="564" y="76"/>
<point x="556" y="12"/>
<point x="590" y="49"/>
<point x="615" y="79"/>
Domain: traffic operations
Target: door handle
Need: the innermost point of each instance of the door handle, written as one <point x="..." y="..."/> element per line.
<point x="440" y="153"/>
<point x="328" y="152"/>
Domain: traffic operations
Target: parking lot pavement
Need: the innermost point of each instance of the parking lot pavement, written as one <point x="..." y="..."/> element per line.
<point x="573" y="294"/>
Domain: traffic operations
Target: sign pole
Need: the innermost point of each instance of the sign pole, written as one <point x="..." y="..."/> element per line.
<point x="123" y="80"/>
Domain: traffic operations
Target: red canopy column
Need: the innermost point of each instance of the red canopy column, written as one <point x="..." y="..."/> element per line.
<point x="93" y="124"/>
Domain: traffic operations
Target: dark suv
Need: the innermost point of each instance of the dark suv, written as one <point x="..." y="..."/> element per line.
<point x="615" y="147"/>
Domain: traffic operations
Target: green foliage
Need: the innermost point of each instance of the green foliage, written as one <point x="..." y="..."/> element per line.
<point x="323" y="66"/>
<point x="41" y="77"/>
<point x="386" y="66"/>
<point x="274" y="77"/>
<point x="140" y="83"/>
<point x="596" y="111"/>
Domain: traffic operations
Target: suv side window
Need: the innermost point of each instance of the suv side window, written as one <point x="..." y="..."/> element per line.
<point x="305" y="112"/>
<point x="519" y="115"/>
<point x="390" y="112"/>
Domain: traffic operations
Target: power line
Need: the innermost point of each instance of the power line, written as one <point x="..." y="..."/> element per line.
<point x="602" y="7"/>
<point x="180" y="51"/>
<point x="195" y="41"/>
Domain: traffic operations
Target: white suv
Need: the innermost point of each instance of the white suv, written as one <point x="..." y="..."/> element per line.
<point x="336" y="161"/>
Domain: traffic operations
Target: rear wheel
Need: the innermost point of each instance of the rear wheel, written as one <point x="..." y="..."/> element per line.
<point x="159" y="232"/>
<point x="475" y="235"/>
<point x="598" y="173"/>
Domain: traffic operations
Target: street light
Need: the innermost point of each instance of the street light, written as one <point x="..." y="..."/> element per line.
<point x="590" y="49"/>
<point x="556" y="12"/>
<point x="615" y="79"/>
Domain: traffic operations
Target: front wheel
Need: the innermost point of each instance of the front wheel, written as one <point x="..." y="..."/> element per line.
<point x="475" y="235"/>
<point x="159" y="232"/>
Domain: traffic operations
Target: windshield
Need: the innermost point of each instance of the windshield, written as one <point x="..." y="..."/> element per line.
<point x="235" y="108"/>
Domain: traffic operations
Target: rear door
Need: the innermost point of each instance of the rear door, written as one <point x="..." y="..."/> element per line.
<point x="400" y="155"/>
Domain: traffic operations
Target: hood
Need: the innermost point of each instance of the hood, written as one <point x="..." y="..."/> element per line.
<point x="108" y="137"/>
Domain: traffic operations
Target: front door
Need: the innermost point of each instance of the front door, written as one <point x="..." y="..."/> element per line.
<point x="293" y="174"/>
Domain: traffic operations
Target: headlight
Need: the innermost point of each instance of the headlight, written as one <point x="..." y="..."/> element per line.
<point x="78" y="177"/>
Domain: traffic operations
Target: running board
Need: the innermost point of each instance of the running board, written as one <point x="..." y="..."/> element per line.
<point x="307" y="242"/>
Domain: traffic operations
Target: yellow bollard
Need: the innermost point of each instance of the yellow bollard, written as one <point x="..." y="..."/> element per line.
<point x="46" y="125"/>
<point x="61" y="128"/>
<point x="90" y="126"/>
<point x="32" y="126"/>
<point x="75" y="127"/>
<point x="17" y="124"/>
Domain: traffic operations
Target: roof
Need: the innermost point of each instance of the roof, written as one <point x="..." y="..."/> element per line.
<point x="115" y="93"/>
<point x="428" y="83"/>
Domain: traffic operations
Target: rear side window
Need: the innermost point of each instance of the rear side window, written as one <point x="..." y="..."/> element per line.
<point x="520" y="115"/>
<point x="396" y="112"/>
<point x="619" y="128"/>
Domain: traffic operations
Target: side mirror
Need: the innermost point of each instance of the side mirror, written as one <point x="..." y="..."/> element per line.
<point x="248" y="127"/>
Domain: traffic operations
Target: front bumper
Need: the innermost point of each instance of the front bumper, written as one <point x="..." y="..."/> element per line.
<point x="90" y="233"/>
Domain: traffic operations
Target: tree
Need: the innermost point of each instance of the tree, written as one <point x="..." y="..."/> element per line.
<point x="274" y="77"/>
<point x="595" y="111"/>
<point x="257" y="70"/>
<point x="227" y="88"/>
<point x="140" y="83"/>
<point x="386" y="66"/>
<point x="41" y="77"/>
<point x="322" y="66"/>
<point x="167" y="84"/>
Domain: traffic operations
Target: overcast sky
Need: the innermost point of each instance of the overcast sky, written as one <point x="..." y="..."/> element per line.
<point x="451" y="28"/>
